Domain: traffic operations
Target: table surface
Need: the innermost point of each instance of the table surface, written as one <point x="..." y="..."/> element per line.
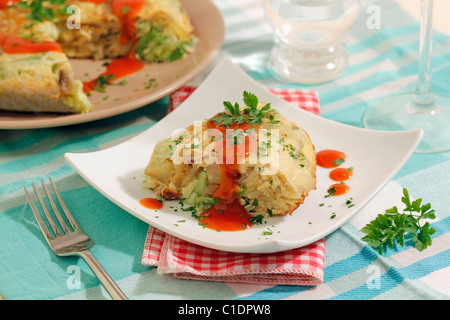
<point x="382" y="61"/>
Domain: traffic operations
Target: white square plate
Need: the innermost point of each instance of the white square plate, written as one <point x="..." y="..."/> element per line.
<point x="376" y="157"/>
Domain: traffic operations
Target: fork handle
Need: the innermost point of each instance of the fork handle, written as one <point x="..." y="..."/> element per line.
<point x="109" y="284"/>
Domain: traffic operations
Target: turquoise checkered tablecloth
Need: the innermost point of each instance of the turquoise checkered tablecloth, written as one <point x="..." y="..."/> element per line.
<point x="382" y="61"/>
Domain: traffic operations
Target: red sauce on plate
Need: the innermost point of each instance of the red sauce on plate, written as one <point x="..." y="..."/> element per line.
<point x="118" y="68"/>
<point x="338" y="189"/>
<point x="151" y="203"/>
<point x="226" y="217"/>
<point x="341" y="174"/>
<point x="330" y="158"/>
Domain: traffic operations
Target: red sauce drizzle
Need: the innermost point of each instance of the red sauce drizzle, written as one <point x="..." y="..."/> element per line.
<point x="341" y="174"/>
<point x="227" y="150"/>
<point x="329" y="158"/>
<point x="118" y="68"/>
<point x="228" y="186"/>
<point x="226" y="217"/>
<point x="14" y="44"/>
<point x="151" y="203"/>
<point x="229" y="214"/>
<point x="126" y="11"/>
<point x="338" y="189"/>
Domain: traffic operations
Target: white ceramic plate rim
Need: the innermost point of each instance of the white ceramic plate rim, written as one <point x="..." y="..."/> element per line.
<point x="117" y="171"/>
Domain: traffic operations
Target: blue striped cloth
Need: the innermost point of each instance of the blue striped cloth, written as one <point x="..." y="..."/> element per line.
<point x="382" y="62"/>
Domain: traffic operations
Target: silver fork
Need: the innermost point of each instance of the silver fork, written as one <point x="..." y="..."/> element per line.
<point x="72" y="241"/>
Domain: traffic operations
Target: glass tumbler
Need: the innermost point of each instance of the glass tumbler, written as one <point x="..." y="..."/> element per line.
<point x="310" y="37"/>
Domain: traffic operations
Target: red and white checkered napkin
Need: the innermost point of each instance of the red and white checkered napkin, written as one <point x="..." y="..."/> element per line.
<point x="305" y="99"/>
<point x="300" y="266"/>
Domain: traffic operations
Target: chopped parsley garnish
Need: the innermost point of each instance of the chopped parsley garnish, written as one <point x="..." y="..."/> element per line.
<point x="257" y="219"/>
<point x="331" y="192"/>
<point x="250" y="114"/>
<point x="102" y="81"/>
<point x="150" y="83"/>
<point x="339" y="161"/>
<point x="350" y="203"/>
<point x="292" y="151"/>
<point x="391" y="227"/>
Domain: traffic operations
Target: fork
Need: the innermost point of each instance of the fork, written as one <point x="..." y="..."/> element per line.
<point x="72" y="241"/>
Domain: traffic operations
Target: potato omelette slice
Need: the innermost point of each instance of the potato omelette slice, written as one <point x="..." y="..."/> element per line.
<point x="37" y="77"/>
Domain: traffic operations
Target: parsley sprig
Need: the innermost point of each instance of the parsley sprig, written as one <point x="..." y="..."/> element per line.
<point x="391" y="227"/>
<point x="250" y="114"/>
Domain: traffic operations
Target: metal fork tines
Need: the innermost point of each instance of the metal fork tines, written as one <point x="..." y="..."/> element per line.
<point x="69" y="240"/>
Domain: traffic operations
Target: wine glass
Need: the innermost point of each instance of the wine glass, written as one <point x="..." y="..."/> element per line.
<point x="419" y="109"/>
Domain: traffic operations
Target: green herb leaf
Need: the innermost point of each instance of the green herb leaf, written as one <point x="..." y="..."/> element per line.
<point x="339" y="161"/>
<point x="388" y="228"/>
<point x="249" y="114"/>
<point x="257" y="219"/>
<point x="250" y="100"/>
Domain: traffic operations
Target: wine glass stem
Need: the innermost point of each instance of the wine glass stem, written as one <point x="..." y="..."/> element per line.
<point x="423" y="95"/>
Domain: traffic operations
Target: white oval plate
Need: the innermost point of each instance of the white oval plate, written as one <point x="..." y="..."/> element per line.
<point x="376" y="157"/>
